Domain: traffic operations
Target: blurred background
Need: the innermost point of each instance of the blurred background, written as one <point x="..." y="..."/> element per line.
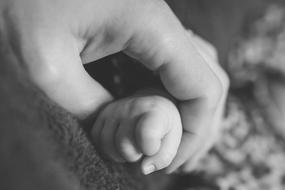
<point x="250" y="39"/>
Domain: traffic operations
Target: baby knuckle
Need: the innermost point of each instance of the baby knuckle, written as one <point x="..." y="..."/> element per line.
<point x="157" y="100"/>
<point x="142" y="103"/>
<point x="136" y="103"/>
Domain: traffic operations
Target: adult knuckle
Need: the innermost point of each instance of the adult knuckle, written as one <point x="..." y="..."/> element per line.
<point x="215" y="90"/>
<point x="45" y="74"/>
<point x="153" y="6"/>
<point x="218" y="87"/>
<point x="166" y="159"/>
<point x="225" y="81"/>
<point x="212" y="51"/>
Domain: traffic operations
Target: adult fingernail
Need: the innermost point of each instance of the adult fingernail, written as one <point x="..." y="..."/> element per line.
<point x="148" y="168"/>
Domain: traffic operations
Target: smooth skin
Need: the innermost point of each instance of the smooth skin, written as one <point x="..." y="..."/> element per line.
<point x="52" y="39"/>
<point x="139" y="126"/>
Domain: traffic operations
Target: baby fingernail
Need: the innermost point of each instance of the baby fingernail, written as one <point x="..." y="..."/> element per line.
<point x="148" y="168"/>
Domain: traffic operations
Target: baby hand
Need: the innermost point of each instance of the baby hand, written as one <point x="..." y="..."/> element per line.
<point x="135" y="127"/>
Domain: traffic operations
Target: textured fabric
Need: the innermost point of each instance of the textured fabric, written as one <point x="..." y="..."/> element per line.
<point x="44" y="147"/>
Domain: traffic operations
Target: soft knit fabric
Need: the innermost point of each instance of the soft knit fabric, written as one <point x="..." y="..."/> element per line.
<point x="44" y="147"/>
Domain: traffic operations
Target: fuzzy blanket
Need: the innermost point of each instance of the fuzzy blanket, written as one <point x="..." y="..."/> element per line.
<point x="44" y="147"/>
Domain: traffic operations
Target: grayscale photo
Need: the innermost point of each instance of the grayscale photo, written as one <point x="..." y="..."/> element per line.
<point x="142" y="95"/>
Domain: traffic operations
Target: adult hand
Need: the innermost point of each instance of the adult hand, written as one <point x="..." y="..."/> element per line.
<point x="52" y="39"/>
